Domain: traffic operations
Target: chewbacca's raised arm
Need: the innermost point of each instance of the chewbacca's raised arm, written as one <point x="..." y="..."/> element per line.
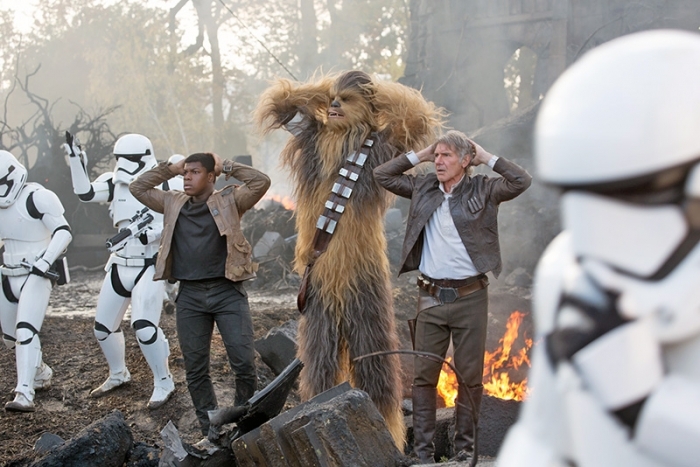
<point x="284" y="98"/>
<point x="410" y="121"/>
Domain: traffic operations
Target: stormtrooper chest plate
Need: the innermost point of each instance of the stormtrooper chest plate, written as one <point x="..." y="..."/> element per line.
<point x="17" y="224"/>
<point x="23" y="236"/>
<point x="124" y="206"/>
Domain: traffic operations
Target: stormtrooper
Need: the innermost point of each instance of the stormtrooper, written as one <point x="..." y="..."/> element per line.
<point x="615" y="377"/>
<point x="35" y="234"/>
<point x="130" y="268"/>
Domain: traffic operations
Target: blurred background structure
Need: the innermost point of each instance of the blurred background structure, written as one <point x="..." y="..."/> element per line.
<point x="186" y="73"/>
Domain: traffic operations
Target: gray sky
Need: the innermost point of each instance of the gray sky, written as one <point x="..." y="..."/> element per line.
<point x="23" y="10"/>
<point x="228" y="35"/>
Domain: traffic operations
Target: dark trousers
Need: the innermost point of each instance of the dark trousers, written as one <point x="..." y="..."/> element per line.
<point x="200" y="304"/>
<point x="463" y="320"/>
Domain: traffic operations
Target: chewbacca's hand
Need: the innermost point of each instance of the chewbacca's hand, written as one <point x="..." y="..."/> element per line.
<point x="283" y="99"/>
<point x="288" y="116"/>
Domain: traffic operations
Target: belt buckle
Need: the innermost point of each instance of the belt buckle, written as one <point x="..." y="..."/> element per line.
<point x="447" y="294"/>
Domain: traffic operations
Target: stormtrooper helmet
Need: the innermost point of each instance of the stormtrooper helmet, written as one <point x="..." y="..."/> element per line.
<point x="13" y="175"/>
<point x="175" y="158"/>
<point x="134" y="154"/>
<point x="618" y="133"/>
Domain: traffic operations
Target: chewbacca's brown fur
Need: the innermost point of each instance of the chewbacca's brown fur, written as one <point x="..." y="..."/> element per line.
<point x="349" y="310"/>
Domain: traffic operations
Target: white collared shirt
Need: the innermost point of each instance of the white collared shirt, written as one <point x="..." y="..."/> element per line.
<point x="444" y="256"/>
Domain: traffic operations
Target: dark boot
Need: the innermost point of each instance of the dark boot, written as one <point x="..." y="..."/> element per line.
<point x="424" y="423"/>
<point x="464" y="440"/>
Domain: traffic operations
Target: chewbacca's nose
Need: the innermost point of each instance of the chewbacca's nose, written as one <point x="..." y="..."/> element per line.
<point x="335" y="104"/>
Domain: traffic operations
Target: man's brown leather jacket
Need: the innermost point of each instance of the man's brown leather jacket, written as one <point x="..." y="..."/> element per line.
<point x="473" y="205"/>
<point x="226" y="206"/>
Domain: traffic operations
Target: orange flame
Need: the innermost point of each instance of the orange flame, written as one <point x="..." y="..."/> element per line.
<point x="497" y="382"/>
<point x="447" y="384"/>
<point x="285" y="201"/>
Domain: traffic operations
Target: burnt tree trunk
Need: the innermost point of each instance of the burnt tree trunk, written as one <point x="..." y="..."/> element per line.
<point x="104" y="443"/>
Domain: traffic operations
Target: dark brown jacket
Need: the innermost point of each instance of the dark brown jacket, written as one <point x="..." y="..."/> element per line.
<point x="226" y="206"/>
<point x="474" y="208"/>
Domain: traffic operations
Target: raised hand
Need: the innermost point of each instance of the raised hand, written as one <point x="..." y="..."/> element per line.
<point x="72" y="148"/>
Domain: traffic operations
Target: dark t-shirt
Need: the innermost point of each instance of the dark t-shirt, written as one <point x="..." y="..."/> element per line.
<point x="199" y="251"/>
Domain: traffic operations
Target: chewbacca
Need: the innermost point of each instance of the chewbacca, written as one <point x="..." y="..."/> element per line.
<point x="348" y="308"/>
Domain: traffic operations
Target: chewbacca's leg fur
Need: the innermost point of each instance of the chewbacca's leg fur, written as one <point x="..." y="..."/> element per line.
<point x="369" y="326"/>
<point x="319" y="350"/>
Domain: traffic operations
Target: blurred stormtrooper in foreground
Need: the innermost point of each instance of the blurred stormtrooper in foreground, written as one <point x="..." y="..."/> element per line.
<point x="35" y="234"/>
<point x="616" y="375"/>
<point x="130" y="267"/>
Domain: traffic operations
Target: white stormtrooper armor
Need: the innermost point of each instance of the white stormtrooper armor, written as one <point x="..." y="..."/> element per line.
<point x="130" y="269"/>
<point x="35" y="234"/>
<point x="615" y="377"/>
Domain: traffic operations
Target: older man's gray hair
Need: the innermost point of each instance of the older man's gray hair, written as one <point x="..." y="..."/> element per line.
<point x="459" y="142"/>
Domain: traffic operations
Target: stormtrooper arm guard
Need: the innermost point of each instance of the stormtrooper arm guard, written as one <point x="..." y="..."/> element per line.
<point x="98" y="192"/>
<point x="50" y="210"/>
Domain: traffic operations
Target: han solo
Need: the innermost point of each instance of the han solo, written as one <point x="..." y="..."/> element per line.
<point x="452" y="239"/>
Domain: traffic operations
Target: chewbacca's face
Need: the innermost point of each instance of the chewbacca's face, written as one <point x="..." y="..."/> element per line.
<point x="351" y="104"/>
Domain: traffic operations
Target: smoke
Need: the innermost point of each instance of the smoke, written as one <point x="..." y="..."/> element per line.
<point x="490" y="63"/>
<point x="487" y="63"/>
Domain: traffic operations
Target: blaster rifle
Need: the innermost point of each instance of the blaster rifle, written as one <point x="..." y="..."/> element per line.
<point x="137" y="225"/>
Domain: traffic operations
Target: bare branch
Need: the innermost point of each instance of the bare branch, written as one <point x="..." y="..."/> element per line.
<point x="172" y="23"/>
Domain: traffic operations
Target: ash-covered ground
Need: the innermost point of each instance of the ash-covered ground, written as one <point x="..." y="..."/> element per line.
<point x="71" y="349"/>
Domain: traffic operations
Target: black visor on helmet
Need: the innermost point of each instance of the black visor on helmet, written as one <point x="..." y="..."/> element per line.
<point x="139" y="166"/>
<point x="5" y="183"/>
<point x="132" y="157"/>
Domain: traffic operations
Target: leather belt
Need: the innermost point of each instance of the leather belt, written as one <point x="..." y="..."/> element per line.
<point x="441" y="290"/>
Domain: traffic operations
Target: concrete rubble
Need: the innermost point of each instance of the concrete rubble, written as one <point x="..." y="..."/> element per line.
<point x="338" y="427"/>
<point x="278" y="348"/>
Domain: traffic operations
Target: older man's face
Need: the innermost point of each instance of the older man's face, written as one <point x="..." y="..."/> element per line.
<point x="448" y="167"/>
